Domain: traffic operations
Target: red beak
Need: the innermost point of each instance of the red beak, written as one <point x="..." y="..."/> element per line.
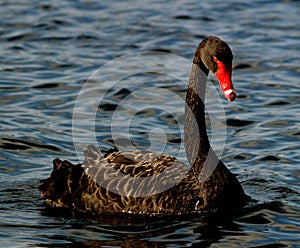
<point x="224" y="77"/>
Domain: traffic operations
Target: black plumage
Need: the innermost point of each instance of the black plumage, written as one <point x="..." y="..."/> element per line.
<point x="150" y="183"/>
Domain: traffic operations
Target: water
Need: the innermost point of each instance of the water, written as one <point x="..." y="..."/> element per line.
<point x="50" y="49"/>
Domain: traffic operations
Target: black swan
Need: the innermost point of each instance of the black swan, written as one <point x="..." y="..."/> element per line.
<point x="150" y="183"/>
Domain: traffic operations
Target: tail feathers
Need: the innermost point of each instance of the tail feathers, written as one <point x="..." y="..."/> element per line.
<point x="62" y="187"/>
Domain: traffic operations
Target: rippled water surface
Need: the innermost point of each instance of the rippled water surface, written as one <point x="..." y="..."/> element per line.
<point x="50" y="50"/>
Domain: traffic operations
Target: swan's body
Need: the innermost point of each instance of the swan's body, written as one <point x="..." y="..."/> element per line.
<point x="149" y="183"/>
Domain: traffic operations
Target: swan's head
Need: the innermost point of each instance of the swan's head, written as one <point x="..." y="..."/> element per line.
<point x="214" y="54"/>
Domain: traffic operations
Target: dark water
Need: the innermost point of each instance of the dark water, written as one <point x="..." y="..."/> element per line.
<point x="50" y="49"/>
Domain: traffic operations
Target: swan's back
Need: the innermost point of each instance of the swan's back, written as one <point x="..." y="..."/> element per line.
<point x="129" y="181"/>
<point x="136" y="182"/>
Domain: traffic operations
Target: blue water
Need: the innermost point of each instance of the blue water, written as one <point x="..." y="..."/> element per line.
<point x="50" y="50"/>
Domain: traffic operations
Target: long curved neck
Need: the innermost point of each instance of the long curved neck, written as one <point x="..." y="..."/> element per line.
<point x="196" y="140"/>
